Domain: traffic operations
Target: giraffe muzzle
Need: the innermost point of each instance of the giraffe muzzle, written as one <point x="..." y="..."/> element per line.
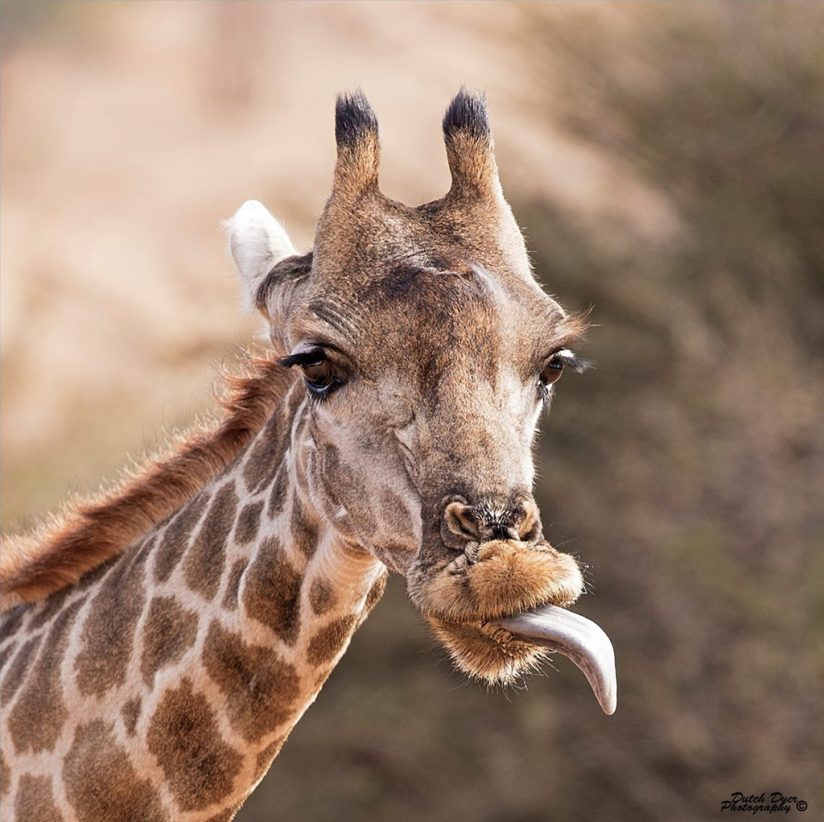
<point x="497" y="594"/>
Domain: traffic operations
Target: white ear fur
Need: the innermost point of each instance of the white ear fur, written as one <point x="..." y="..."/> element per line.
<point x="257" y="242"/>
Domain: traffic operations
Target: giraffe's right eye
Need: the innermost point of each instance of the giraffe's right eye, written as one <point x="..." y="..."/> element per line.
<point x="321" y="374"/>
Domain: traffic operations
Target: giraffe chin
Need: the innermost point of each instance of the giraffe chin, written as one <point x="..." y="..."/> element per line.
<point x="500" y="652"/>
<point x="485" y="651"/>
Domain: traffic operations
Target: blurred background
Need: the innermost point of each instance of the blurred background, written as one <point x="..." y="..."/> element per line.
<point x="666" y="162"/>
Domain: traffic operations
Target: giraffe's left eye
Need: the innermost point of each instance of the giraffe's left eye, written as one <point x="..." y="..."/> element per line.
<point x="554" y="368"/>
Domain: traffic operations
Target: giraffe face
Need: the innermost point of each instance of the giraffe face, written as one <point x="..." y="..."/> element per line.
<point x="428" y="352"/>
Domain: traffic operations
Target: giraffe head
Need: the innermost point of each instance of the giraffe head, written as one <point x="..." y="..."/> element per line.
<point x="428" y="352"/>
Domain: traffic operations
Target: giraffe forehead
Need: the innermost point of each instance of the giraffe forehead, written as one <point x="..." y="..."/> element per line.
<point x="431" y="319"/>
<point x="382" y="267"/>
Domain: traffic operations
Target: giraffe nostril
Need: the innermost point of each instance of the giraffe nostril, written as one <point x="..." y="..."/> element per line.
<point x="462" y="520"/>
<point x="501" y="530"/>
<point x="528" y="521"/>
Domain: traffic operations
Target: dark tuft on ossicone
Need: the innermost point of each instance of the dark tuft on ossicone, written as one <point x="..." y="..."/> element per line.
<point x="467" y="113"/>
<point x="354" y="119"/>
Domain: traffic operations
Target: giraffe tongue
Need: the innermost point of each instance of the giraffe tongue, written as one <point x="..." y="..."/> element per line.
<point x="577" y="638"/>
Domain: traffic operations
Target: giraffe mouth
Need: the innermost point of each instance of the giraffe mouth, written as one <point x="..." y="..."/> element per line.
<point x="501" y="650"/>
<point x="501" y="609"/>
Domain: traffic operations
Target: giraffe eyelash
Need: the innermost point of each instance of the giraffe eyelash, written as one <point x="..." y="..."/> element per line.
<point x="311" y="356"/>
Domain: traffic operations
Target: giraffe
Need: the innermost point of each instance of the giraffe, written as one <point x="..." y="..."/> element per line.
<point x="160" y="642"/>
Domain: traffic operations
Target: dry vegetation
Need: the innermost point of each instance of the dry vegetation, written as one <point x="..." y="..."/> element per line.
<point x="667" y="168"/>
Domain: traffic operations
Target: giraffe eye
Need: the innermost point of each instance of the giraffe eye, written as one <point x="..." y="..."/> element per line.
<point x="320" y="376"/>
<point x="553" y="369"/>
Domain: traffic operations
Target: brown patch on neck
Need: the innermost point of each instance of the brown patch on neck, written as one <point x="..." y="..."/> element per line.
<point x="101" y="782"/>
<point x="131" y="714"/>
<point x="233" y="586"/>
<point x="267" y="755"/>
<point x="203" y="566"/>
<point x="56" y="555"/>
<point x="374" y="595"/>
<point x="107" y="638"/>
<point x="260" y="688"/>
<point x="35" y="799"/>
<point x="321" y="596"/>
<point x="200" y="768"/>
<point x="36" y="719"/>
<point x="169" y="632"/>
<point x="329" y="641"/>
<point x="13" y="675"/>
<point x="272" y="592"/>
<point x="5" y="776"/>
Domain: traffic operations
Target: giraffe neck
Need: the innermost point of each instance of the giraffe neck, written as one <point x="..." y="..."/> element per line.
<point x="170" y="678"/>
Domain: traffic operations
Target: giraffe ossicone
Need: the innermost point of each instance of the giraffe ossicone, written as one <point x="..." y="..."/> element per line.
<point x="159" y="643"/>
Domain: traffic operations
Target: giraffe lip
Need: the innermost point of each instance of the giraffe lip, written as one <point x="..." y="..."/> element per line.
<point x="579" y="639"/>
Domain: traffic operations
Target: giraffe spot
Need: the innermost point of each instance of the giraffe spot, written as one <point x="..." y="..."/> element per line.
<point x="272" y="591"/>
<point x="46" y="610"/>
<point x="375" y="594"/>
<point x="131" y="713"/>
<point x="260" y="688"/>
<point x="266" y="455"/>
<point x="108" y="632"/>
<point x="169" y="631"/>
<point x="101" y="782"/>
<point x="304" y="530"/>
<point x="10" y="620"/>
<point x="139" y="555"/>
<point x="223" y="816"/>
<point x="39" y="713"/>
<point x="35" y="800"/>
<point x="5" y="654"/>
<point x="21" y="663"/>
<point x="203" y="566"/>
<point x="248" y="522"/>
<point x="321" y="596"/>
<point x="328" y="641"/>
<point x="5" y="776"/>
<point x="233" y="585"/>
<point x="267" y="755"/>
<point x="278" y="493"/>
<point x="199" y="766"/>
<point x="176" y="537"/>
<point x="93" y="576"/>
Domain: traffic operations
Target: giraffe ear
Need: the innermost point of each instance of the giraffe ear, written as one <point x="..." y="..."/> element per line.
<point x="258" y="242"/>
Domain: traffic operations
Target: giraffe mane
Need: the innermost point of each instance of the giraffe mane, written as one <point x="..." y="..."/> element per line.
<point x="90" y="530"/>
